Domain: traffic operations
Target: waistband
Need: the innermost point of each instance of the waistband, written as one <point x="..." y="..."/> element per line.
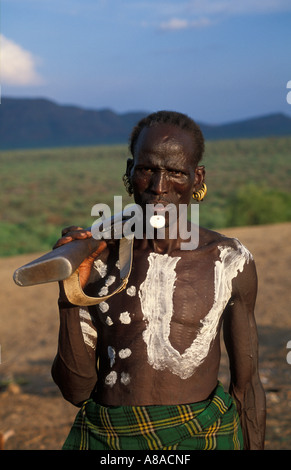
<point x="133" y="420"/>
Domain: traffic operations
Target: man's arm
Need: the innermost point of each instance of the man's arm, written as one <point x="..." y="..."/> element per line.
<point x="240" y="335"/>
<point x="74" y="369"/>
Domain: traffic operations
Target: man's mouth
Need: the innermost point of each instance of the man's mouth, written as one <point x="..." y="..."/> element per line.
<point x="157" y="221"/>
<point x="158" y="205"/>
<point x="159" y="213"/>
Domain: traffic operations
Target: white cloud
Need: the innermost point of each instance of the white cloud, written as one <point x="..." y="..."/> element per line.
<point x="18" y="66"/>
<point x="201" y="13"/>
<point x="175" y="24"/>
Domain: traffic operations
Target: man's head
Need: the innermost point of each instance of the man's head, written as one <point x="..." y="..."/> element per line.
<point x="184" y="126"/>
<point x="173" y="118"/>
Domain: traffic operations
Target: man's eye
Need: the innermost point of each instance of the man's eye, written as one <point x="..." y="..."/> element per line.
<point x="176" y="173"/>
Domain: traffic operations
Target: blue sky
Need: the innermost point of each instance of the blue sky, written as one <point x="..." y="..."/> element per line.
<point x="216" y="60"/>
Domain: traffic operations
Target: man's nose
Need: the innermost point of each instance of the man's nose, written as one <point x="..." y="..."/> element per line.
<point x="159" y="182"/>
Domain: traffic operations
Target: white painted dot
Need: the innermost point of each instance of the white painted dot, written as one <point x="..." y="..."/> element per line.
<point x="124" y="317"/>
<point x="124" y="353"/>
<point x="103" y="291"/>
<point x="111" y="378"/>
<point x="104" y="307"/>
<point x="109" y="321"/>
<point x="100" y="267"/>
<point x="131" y="291"/>
<point x="125" y="378"/>
<point x="110" y="280"/>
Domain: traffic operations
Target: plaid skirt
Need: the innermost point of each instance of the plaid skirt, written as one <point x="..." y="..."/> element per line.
<point x="212" y="424"/>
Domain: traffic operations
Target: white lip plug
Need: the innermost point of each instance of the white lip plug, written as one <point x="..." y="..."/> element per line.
<point x="157" y="221"/>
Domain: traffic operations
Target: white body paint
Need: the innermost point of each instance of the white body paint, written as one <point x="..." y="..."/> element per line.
<point x="104" y="307"/>
<point x="124" y="317"/>
<point x="88" y="332"/>
<point x="100" y="267"/>
<point x="109" y="321"/>
<point x="109" y="281"/>
<point x="156" y="296"/>
<point x="111" y="355"/>
<point x="84" y="314"/>
<point x="131" y="291"/>
<point x="125" y="378"/>
<point x="103" y="291"/>
<point x="111" y="378"/>
<point x="124" y="353"/>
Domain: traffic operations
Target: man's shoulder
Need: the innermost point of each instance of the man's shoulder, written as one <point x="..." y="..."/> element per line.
<point x="219" y="241"/>
<point x="209" y="237"/>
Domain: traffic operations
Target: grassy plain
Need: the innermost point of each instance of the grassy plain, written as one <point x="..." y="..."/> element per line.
<point x="44" y="190"/>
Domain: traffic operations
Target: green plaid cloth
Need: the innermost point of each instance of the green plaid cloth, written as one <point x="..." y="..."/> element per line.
<point x="208" y="425"/>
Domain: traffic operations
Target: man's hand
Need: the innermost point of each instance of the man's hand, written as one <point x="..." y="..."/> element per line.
<point x="72" y="233"/>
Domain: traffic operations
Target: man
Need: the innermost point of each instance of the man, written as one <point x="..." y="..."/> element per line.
<point x="143" y="365"/>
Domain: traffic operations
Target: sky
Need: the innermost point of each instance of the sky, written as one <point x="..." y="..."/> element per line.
<point x="216" y="60"/>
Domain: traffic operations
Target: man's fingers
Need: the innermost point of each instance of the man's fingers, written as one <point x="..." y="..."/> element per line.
<point x="72" y="233"/>
<point x="62" y="241"/>
<point x="99" y="250"/>
<point x="72" y="228"/>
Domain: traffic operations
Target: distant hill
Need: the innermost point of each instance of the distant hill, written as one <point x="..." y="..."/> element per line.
<point x="32" y="123"/>
<point x="271" y="125"/>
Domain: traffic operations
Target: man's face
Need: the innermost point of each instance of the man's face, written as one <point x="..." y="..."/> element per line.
<point x="164" y="168"/>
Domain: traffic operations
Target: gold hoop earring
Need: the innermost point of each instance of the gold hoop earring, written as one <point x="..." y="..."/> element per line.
<point x="200" y="195"/>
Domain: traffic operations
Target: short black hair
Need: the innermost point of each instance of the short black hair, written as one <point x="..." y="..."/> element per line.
<point x="176" y="119"/>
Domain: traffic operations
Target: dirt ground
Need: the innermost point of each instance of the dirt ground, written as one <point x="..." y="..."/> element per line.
<point x="33" y="414"/>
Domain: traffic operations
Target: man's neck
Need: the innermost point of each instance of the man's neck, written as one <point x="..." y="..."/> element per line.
<point x="163" y="245"/>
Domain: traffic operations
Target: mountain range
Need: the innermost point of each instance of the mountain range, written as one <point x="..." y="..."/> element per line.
<point x="40" y="123"/>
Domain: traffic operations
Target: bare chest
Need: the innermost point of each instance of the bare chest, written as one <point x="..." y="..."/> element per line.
<point x="171" y="309"/>
<point x="170" y="288"/>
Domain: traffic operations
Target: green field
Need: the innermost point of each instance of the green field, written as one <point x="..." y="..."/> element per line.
<point x="44" y="190"/>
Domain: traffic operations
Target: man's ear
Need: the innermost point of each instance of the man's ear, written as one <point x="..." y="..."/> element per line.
<point x="127" y="177"/>
<point x="199" y="177"/>
<point x="129" y="165"/>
